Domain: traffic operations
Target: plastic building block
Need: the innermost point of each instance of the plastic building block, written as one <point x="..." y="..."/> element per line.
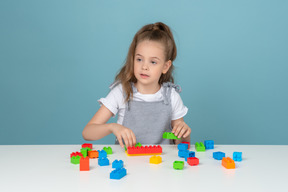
<point x="142" y="154"/>
<point x="182" y="146"/>
<point x="169" y="135"/>
<point x="84" y="164"/>
<point x="75" y="159"/>
<point x="228" y="163"/>
<point x="218" y="155"/>
<point x="155" y="159"/>
<point x="187" y="143"/>
<point x="102" y="154"/>
<point x="93" y="154"/>
<point x="103" y="161"/>
<point x="209" y="144"/>
<point x="76" y="154"/>
<point x="199" y="147"/>
<point x="118" y="173"/>
<point x="89" y="145"/>
<point x="192" y="161"/>
<point x="155" y="149"/>
<point x="178" y="165"/>
<point x="190" y="154"/>
<point x="237" y="156"/>
<point x="108" y="150"/>
<point x="183" y="153"/>
<point x="117" y="164"/>
<point x="138" y="145"/>
<point x="84" y="151"/>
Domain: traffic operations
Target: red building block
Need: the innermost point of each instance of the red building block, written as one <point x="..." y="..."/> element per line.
<point x="228" y="163"/>
<point x="145" y="149"/>
<point x="188" y="144"/>
<point x="84" y="164"/>
<point x="75" y="154"/>
<point x="89" y="145"/>
<point x="192" y="161"/>
<point x="93" y="154"/>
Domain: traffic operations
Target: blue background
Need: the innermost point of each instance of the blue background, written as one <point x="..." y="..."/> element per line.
<point x="58" y="57"/>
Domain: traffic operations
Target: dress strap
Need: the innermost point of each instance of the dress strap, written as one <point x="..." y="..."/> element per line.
<point x="167" y="86"/>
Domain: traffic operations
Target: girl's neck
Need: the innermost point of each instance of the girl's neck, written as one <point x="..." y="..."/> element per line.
<point x="147" y="89"/>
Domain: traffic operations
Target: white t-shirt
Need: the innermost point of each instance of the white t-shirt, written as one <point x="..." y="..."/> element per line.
<point x="115" y="102"/>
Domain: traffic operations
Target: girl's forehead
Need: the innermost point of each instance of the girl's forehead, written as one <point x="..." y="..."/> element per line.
<point x="149" y="47"/>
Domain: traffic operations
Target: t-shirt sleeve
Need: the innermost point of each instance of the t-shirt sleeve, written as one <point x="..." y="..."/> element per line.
<point x="113" y="99"/>
<point x="179" y="110"/>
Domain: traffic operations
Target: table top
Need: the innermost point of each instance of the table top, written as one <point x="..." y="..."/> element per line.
<point x="48" y="168"/>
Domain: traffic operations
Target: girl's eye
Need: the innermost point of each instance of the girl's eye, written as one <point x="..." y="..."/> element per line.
<point x="153" y="62"/>
<point x="138" y="59"/>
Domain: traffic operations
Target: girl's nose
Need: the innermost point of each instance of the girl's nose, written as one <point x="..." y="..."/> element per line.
<point x="145" y="66"/>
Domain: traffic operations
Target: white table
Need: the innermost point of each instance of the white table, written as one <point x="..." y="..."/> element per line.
<point x="48" y="168"/>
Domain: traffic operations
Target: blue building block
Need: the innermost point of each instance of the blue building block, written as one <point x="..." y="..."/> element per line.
<point x="117" y="164"/>
<point x="102" y="154"/>
<point x="118" y="173"/>
<point x="190" y="154"/>
<point x="182" y="146"/>
<point x="218" y="155"/>
<point x="103" y="161"/>
<point x="209" y="144"/>
<point x="237" y="156"/>
<point x="183" y="153"/>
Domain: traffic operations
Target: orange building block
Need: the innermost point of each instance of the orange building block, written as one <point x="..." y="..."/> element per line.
<point x="228" y="163"/>
<point x="93" y="154"/>
<point x="155" y="159"/>
<point x="84" y="164"/>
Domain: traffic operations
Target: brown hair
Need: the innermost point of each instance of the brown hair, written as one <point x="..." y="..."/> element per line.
<point x="156" y="32"/>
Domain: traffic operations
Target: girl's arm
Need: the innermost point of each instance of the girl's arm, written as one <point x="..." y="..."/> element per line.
<point x="98" y="128"/>
<point x="181" y="130"/>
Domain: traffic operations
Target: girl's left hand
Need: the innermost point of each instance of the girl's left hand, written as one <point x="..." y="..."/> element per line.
<point x="180" y="129"/>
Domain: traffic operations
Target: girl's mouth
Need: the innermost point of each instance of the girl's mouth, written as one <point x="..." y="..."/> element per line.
<point x="144" y="76"/>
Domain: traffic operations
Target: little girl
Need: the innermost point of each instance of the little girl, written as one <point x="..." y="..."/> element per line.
<point x="143" y="94"/>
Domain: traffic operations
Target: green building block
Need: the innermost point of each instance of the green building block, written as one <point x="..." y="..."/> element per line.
<point x="84" y="151"/>
<point x="108" y="150"/>
<point x="178" y="165"/>
<point x="138" y="145"/>
<point x="199" y="147"/>
<point x="169" y="135"/>
<point x="75" y="159"/>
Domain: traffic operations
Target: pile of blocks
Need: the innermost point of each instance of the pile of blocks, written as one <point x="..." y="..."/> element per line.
<point x="227" y="162"/>
<point x="189" y="156"/>
<point x="86" y="153"/>
<point x="119" y="171"/>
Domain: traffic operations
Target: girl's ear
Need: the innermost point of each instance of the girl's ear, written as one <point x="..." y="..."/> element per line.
<point x="167" y="66"/>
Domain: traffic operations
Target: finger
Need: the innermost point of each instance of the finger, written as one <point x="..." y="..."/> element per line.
<point x="129" y="138"/>
<point x="187" y="133"/>
<point x="133" y="138"/>
<point x="124" y="136"/>
<point x="174" y="128"/>
<point x="119" y="138"/>
<point x="178" y="129"/>
<point x="182" y="132"/>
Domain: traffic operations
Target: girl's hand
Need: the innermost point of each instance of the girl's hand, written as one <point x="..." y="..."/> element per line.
<point x="124" y="133"/>
<point x="180" y="128"/>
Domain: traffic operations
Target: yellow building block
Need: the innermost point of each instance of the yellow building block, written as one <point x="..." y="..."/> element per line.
<point x="155" y="159"/>
<point x="144" y="154"/>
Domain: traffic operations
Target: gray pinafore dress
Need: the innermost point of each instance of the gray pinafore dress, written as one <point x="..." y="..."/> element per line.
<point x="149" y="120"/>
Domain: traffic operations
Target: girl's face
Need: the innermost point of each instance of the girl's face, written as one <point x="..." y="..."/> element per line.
<point x="149" y="62"/>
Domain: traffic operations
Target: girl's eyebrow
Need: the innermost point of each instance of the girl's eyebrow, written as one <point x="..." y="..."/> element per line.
<point x="151" y="57"/>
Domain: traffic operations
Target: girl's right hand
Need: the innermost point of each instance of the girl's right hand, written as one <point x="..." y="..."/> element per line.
<point x="124" y="133"/>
